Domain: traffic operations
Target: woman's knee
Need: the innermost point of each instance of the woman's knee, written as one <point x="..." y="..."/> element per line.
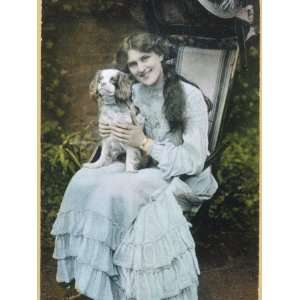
<point x="87" y="176"/>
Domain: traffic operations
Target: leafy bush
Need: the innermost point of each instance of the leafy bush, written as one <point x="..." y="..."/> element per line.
<point x="237" y="200"/>
<point x="62" y="152"/>
<point x="62" y="155"/>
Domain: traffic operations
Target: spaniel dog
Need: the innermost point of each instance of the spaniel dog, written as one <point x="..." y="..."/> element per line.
<point x="112" y="90"/>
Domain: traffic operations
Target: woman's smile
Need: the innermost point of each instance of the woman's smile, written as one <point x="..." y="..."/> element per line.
<point x="145" y="74"/>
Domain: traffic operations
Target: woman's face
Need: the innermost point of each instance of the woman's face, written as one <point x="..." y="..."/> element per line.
<point x="145" y="66"/>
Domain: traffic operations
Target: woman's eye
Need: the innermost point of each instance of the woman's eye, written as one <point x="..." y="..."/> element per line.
<point x="145" y="57"/>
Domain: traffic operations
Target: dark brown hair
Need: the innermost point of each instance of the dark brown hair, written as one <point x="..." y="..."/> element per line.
<point x="174" y="99"/>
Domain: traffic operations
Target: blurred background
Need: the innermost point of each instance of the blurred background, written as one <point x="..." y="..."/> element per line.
<point x="82" y="36"/>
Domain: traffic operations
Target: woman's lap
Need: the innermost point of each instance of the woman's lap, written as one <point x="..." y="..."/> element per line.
<point x="97" y="219"/>
<point x="112" y="192"/>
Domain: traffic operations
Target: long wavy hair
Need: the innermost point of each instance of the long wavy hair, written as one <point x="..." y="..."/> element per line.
<point x="174" y="99"/>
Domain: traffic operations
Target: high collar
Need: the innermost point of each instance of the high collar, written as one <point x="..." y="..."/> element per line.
<point x="109" y="100"/>
<point x="157" y="87"/>
<point x="149" y="96"/>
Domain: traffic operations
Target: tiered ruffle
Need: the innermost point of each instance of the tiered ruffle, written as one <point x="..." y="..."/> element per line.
<point x="84" y="246"/>
<point x="154" y="259"/>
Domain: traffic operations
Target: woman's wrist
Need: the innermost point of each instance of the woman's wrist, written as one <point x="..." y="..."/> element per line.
<point x="146" y="144"/>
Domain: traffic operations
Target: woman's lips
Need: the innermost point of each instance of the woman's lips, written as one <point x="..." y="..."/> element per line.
<point x="145" y="75"/>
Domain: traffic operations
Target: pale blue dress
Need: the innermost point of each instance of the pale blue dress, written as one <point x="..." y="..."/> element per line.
<point x="123" y="235"/>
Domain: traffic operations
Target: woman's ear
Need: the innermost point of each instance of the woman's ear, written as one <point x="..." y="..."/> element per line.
<point x="161" y="58"/>
<point x="123" y="87"/>
<point x="93" y="87"/>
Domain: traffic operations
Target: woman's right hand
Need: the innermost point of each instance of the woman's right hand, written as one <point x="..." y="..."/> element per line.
<point x="104" y="129"/>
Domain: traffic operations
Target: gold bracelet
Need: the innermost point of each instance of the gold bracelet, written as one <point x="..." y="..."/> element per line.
<point x="145" y="144"/>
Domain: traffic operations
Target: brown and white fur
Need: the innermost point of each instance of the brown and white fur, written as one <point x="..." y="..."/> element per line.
<point x="112" y="90"/>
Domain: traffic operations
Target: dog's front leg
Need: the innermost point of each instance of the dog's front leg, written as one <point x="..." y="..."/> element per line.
<point x="105" y="158"/>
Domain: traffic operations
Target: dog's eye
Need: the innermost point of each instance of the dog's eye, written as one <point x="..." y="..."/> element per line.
<point x="113" y="80"/>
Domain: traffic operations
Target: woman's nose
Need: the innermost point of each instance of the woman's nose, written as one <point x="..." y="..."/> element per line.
<point x="140" y="67"/>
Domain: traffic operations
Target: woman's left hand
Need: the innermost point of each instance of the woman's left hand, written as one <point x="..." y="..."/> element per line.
<point x="129" y="134"/>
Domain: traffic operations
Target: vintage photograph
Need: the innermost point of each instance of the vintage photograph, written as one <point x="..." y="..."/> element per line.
<point x="150" y="150"/>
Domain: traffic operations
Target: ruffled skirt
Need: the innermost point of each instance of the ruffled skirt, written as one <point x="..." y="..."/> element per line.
<point x="123" y="236"/>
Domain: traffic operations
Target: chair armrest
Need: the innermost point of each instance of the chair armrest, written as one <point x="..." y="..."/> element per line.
<point x="95" y="154"/>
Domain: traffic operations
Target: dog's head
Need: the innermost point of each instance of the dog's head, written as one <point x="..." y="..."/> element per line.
<point x="111" y="82"/>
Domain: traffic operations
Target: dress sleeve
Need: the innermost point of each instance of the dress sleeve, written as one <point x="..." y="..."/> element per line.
<point x="189" y="157"/>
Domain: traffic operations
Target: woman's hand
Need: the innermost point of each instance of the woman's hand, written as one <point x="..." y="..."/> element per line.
<point x="104" y="130"/>
<point x="129" y="134"/>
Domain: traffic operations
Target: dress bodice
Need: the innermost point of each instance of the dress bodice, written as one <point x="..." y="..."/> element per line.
<point x="180" y="152"/>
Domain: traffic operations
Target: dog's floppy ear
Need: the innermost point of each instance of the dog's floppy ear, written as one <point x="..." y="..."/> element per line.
<point x="123" y="87"/>
<point x="93" y="87"/>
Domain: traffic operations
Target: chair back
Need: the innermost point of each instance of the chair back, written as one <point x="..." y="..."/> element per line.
<point x="213" y="71"/>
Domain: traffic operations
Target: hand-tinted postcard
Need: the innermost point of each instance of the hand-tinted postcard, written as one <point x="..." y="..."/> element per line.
<point x="150" y="149"/>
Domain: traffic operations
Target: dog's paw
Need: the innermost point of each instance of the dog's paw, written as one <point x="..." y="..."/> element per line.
<point x="131" y="169"/>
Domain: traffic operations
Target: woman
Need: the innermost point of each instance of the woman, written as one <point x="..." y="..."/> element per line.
<point x="123" y="235"/>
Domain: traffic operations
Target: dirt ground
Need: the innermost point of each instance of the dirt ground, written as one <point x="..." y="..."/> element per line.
<point x="222" y="277"/>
